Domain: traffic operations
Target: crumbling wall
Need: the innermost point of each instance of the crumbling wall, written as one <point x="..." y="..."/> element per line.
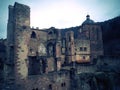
<point x="51" y="81"/>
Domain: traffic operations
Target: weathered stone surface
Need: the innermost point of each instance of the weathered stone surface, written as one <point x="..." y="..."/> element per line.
<point x="41" y="59"/>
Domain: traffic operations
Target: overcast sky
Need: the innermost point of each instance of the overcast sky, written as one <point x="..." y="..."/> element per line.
<point x="61" y="13"/>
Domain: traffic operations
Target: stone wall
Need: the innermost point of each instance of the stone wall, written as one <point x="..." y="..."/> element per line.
<point x="51" y="81"/>
<point x="82" y="51"/>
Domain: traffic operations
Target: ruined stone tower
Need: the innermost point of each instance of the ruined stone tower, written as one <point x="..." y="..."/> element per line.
<point x="18" y="27"/>
<point x="70" y="53"/>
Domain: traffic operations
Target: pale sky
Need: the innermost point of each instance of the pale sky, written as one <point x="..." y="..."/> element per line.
<point x="61" y="13"/>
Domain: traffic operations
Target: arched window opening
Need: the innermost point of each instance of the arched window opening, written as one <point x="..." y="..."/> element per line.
<point x="33" y="35"/>
<point x="50" y="33"/>
<point x="63" y="84"/>
<point x="33" y="66"/>
<point x="84" y="57"/>
<point x="50" y="87"/>
<point x="69" y="38"/>
<point x="85" y="48"/>
<point x="50" y="50"/>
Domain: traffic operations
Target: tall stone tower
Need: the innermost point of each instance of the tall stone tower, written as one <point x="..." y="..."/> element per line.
<point x="95" y="36"/>
<point x="18" y="27"/>
<point x="54" y="49"/>
<point x="9" y="66"/>
<point x="58" y="51"/>
<point x="70" y="47"/>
